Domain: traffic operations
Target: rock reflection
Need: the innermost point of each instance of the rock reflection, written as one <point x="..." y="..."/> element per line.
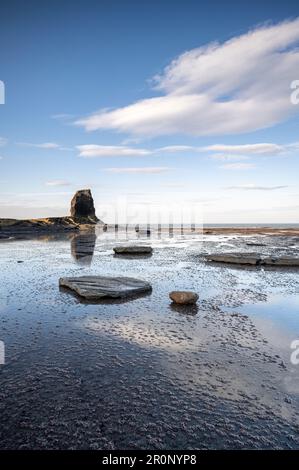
<point x="184" y="309"/>
<point x="82" y="247"/>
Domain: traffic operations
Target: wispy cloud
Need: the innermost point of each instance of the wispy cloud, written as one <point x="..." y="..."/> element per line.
<point x="249" y="149"/>
<point x="238" y="166"/>
<point x="174" y="185"/>
<point x="92" y="151"/>
<point x="3" y="141"/>
<point x="145" y="170"/>
<point x="217" y="151"/>
<point x="177" y="148"/>
<point x="44" y="145"/>
<point x="213" y="89"/>
<point x="254" y="187"/>
<point x="227" y="158"/>
<point x="63" y="117"/>
<point x="57" y="183"/>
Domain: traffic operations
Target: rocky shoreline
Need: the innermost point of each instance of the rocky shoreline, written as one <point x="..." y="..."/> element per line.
<point x="82" y="216"/>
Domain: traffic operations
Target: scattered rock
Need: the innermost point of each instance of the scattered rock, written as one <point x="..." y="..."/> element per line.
<point x="82" y="207"/>
<point x="255" y="244"/>
<point x="98" y="287"/>
<point x="141" y="231"/>
<point x="133" y="250"/>
<point x="183" y="297"/>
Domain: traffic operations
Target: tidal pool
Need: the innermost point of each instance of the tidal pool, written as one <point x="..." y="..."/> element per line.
<point x="144" y="373"/>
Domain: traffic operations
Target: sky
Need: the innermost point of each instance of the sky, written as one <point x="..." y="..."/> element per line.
<point x="151" y="105"/>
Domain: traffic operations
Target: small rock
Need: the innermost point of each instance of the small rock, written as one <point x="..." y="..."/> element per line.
<point x="183" y="297"/>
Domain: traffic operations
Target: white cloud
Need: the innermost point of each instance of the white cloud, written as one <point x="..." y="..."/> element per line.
<point x="177" y="148"/>
<point x="92" y="151"/>
<point x="238" y="166"/>
<point x="254" y="187"/>
<point x="56" y="183"/>
<point x="223" y="152"/>
<point x="3" y="141"/>
<point x="294" y="146"/>
<point x="145" y="170"/>
<point x="44" y="145"/>
<point x="252" y="149"/>
<point x="238" y="86"/>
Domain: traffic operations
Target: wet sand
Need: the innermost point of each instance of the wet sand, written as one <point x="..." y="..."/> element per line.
<point x="143" y="373"/>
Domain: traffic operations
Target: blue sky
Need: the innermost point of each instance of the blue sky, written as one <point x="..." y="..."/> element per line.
<point x="159" y="102"/>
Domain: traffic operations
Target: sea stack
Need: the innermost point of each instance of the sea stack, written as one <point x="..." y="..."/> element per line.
<point x="82" y="207"/>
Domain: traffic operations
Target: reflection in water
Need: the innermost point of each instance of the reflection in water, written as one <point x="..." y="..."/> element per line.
<point x="82" y="247"/>
<point x="280" y="310"/>
<point x="184" y="309"/>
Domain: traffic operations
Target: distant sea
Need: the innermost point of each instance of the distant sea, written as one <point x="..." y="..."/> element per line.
<point x="252" y="225"/>
<point x="143" y="226"/>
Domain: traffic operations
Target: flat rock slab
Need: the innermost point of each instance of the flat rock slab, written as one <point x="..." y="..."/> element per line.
<point x="133" y="250"/>
<point x="253" y="259"/>
<point x="281" y="261"/>
<point x="236" y="258"/>
<point x="99" y="287"/>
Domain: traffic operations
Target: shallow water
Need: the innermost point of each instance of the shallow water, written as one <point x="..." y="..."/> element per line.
<point x="143" y="373"/>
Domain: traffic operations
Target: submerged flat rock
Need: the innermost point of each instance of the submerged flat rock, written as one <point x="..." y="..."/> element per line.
<point x="98" y="287"/>
<point x="253" y="259"/>
<point x="235" y="258"/>
<point x="133" y="250"/>
<point x="281" y="261"/>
